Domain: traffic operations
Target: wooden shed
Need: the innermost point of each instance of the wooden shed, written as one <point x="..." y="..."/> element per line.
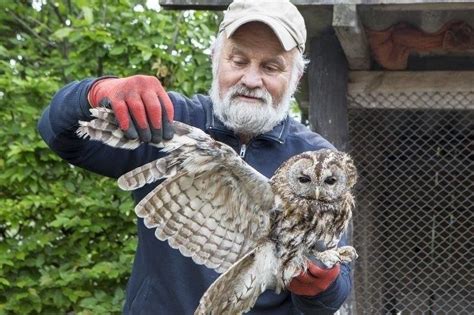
<point x="392" y="82"/>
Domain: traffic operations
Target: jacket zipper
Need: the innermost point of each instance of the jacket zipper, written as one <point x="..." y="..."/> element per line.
<point x="243" y="149"/>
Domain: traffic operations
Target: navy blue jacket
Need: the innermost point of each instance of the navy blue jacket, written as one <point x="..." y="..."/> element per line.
<point x="163" y="281"/>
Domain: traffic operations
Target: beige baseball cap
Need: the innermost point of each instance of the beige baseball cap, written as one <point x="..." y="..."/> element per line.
<point x="280" y="15"/>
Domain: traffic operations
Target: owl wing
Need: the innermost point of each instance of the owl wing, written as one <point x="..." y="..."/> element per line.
<point x="212" y="206"/>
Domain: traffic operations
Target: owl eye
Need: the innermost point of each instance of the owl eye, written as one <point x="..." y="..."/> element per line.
<point x="331" y="180"/>
<point x="304" y="179"/>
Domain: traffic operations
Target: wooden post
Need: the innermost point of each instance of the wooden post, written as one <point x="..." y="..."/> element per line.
<point x="328" y="80"/>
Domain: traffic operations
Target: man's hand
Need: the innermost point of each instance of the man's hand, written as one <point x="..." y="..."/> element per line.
<point x="140" y="103"/>
<point x="314" y="281"/>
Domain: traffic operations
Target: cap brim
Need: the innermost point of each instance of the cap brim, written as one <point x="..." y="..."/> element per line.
<point x="286" y="40"/>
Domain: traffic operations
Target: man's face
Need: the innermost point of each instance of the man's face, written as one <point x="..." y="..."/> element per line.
<point x="253" y="84"/>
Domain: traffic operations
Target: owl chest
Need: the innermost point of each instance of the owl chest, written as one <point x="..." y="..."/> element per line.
<point x="291" y="234"/>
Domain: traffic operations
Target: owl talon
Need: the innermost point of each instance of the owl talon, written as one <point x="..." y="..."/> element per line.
<point x="329" y="257"/>
<point x="347" y="253"/>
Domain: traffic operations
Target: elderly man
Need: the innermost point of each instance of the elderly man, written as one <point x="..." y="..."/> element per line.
<point x="257" y="62"/>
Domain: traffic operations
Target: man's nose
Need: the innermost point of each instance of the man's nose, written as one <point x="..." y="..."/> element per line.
<point x="252" y="78"/>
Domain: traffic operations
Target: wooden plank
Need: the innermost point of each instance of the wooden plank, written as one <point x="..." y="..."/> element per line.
<point x="412" y="90"/>
<point x="433" y="6"/>
<point x="221" y="4"/>
<point x="351" y="35"/>
<point x="410" y="81"/>
<point x="195" y="4"/>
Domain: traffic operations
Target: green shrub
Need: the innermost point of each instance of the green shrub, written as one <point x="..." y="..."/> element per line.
<point x="67" y="237"/>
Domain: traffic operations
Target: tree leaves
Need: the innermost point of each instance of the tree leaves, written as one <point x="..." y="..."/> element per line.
<point x="62" y="33"/>
<point x="88" y="15"/>
<point x="68" y="237"/>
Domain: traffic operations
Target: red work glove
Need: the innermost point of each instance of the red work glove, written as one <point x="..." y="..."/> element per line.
<point x="140" y="103"/>
<point x="314" y="281"/>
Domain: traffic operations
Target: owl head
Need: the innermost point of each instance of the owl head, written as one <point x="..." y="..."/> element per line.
<point x="324" y="176"/>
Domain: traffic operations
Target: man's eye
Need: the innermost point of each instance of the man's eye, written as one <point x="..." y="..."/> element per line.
<point x="271" y="68"/>
<point x="239" y="62"/>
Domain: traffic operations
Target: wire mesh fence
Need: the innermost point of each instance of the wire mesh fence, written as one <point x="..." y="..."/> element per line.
<point x="413" y="224"/>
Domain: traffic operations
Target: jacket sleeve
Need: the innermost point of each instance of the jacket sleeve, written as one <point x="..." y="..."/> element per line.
<point x="58" y="125"/>
<point x="329" y="301"/>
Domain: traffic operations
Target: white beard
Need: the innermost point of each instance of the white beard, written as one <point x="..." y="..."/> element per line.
<point x="245" y="118"/>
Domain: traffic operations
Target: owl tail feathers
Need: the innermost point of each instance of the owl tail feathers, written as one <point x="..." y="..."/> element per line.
<point x="236" y="290"/>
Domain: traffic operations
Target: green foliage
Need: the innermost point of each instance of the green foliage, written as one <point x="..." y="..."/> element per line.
<point x="67" y="237"/>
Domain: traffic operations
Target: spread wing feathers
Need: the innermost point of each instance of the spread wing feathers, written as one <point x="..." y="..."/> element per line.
<point x="212" y="205"/>
<point x="236" y="290"/>
<point x="207" y="214"/>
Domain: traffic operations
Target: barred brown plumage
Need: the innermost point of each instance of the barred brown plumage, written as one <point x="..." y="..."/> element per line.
<point x="206" y="208"/>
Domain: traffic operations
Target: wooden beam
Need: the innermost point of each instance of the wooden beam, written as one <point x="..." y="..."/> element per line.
<point x="195" y="4"/>
<point x="402" y="4"/>
<point x="412" y="89"/>
<point x="422" y="6"/>
<point x="351" y="35"/>
<point x="410" y="81"/>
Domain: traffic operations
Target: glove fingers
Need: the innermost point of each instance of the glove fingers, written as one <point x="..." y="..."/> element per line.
<point x="304" y="278"/>
<point x="167" y="112"/>
<point x="317" y="262"/>
<point x="142" y="107"/>
<point x="168" y="131"/>
<point x="106" y="103"/>
<point x="139" y="117"/>
<point x="154" y="114"/>
<point x="319" y="272"/>
<point x="165" y="103"/>
<point x="303" y="289"/>
<point x="124" y="120"/>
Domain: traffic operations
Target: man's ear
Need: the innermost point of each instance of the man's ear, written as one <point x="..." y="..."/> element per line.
<point x="297" y="82"/>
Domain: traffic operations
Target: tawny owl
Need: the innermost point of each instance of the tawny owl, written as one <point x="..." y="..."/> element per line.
<point x="218" y="210"/>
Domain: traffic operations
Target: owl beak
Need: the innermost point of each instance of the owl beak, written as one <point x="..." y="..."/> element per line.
<point x="316" y="192"/>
